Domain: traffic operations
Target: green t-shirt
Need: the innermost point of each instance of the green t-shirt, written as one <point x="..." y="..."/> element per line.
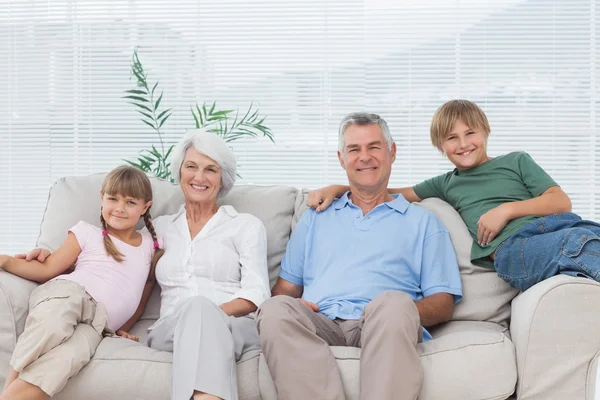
<point x="473" y="192"/>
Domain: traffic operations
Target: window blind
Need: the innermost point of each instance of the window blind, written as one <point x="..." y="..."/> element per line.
<point x="532" y="65"/>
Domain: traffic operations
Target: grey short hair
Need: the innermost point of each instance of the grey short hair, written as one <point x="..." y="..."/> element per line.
<point x="361" y="119"/>
<point x="211" y="145"/>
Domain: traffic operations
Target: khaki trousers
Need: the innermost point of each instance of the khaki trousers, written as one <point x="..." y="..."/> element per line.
<point x="295" y="342"/>
<point x="62" y="331"/>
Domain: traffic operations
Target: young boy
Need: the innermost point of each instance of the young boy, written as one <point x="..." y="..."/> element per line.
<point x="518" y="216"/>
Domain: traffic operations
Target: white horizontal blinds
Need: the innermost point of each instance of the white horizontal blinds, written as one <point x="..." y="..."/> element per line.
<point x="532" y="65"/>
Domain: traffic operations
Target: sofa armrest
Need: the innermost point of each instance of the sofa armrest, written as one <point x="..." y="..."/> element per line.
<point x="555" y="327"/>
<point x="14" y="306"/>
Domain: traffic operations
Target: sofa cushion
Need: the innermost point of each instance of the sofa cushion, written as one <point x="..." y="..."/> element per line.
<point x="486" y="297"/>
<point x="123" y="369"/>
<point x="466" y="360"/>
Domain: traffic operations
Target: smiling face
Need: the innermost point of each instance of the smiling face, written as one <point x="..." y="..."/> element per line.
<point x="465" y="147"/>
<point x="121" y="213"/>
<point x="200" y="177"/>
<point x="366" y="157"/>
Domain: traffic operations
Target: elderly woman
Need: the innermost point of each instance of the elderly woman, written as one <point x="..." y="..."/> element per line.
<point x="213" y="274"/>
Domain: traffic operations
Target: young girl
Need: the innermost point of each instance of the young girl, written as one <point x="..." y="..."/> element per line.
<point x="70" y="313"/>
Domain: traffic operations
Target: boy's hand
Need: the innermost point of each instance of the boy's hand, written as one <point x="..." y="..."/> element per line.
<point x="3" y="259"/>
<point x="491" y="223"/>
<point x="127" y="335"/>
<point x="320" y="199"/>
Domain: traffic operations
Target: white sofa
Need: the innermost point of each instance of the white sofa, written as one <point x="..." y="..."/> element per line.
<point x="541" y="345"/>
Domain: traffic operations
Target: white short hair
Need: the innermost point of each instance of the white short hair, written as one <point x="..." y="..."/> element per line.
<point x="211" y="145"/>
<point x="362" y="119"/>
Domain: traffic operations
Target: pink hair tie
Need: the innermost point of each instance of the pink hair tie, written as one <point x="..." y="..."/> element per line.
<point x="104" y="232"/>
<point x="155" y="244"/>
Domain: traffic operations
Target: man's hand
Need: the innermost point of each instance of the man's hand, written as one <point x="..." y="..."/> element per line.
<point x="309" y="305"/>
<point x="127" y="335"/>
<point x="320" y="199"/>
<point x="491" y="223"/>
<point x="35" y="254"/>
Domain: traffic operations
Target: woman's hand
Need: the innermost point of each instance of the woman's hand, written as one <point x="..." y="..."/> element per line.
<point x="127" y="335"/>
<point x="491" y="224"/>
<point x="35" y="254"/>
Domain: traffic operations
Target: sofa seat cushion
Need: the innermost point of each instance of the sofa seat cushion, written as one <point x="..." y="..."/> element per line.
<point x="125" y="369"/>
<point x="465" y="360"/>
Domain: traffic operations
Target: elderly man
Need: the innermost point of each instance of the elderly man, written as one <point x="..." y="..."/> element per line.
<point x="370" y="272"/>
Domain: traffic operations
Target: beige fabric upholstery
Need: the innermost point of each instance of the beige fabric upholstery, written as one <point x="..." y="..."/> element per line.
<point x="14" y="305"/>
<point x="485" y="296"/>
<point x="555" y="328"/>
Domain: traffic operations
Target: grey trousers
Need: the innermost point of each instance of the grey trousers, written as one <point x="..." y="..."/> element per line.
<point x="295" y="342"/>
<point x="206" y="343"/>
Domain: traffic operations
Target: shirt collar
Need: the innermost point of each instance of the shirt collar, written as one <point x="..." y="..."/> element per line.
<point x="229" y="210"/>
<point x="399" y="203"/>
<point x="224" y="208"/>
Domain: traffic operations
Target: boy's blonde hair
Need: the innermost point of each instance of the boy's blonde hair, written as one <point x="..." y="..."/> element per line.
<point x="128" y="181"/>
<point x="446" y="116"/>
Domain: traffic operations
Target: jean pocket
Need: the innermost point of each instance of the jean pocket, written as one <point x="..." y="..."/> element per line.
<point x="510" y="262"/>
<point x="582" y="249"/>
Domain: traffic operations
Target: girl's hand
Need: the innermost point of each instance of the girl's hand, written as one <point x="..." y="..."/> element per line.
<point x="491" y="223"/>
<point x="320" y="199"/>
<point x="127" y="335"/>
<point x="3" y="259"/>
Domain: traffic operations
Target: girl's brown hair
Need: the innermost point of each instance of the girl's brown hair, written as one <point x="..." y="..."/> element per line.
<point x="446" y="116"/>
<point x="128" y="181"/>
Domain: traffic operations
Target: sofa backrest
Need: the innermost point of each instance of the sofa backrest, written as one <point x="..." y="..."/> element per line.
<point x="485" y="296"/>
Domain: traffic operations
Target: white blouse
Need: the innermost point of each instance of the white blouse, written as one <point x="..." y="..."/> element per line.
<point x="226" y="260"/>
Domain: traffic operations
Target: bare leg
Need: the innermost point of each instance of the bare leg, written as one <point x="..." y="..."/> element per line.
<point x="12" y="375"/>
<point x="204" y="396"/>
<point x="21" y="390"/>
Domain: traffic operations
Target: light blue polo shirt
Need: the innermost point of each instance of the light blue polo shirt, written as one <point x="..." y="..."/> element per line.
<point x="344" y="259"/>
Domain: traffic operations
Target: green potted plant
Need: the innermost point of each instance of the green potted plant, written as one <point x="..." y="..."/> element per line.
<point x="148" y="103"/>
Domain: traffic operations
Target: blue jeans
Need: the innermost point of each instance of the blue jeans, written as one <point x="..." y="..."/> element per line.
<point x="548" y="246"/>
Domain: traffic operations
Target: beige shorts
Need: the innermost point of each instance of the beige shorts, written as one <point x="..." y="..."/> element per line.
<point x="63" y="329"/>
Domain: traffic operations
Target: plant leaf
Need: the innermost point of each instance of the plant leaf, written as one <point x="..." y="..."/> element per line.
<point x="169" y="153"/>
<point x="195" y="118"/>
<point x="146" y="115"/>
<point x="158" y="101"/>
<point x="200" y="115"/>
<point x="142" y="106"/>
<point x="136" y="91"/>
<point x="149" y="124"/>
<point x="138" y="98"/>
<point x="164" y="120"/>
<point x="162" y="113"/>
